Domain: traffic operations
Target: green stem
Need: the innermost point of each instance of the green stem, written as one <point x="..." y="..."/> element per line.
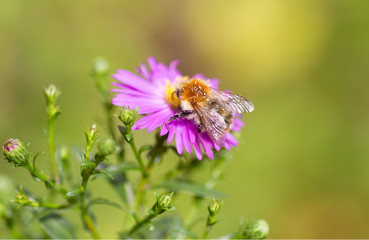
<point x="108" y="107"/>
<point x="206" y="231"/>
<point x="52" y="149"/>
<point x="90" y="225"/>
<point x="141" y="223"/>
<point x="142" y="185"/>
<point x="48" y="182"/>
<point x="136" y="153"/>
<point x="86" y="219"/>
<point x="54" y="206"/>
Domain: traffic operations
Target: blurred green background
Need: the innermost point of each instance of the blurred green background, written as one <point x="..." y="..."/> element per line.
<point x="303" y="160"/>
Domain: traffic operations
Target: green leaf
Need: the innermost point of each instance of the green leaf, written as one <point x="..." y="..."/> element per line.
<point x="35" y="157"/>
<point x="74" y="192"/>
<point x="105" y="202"/>
<point x="104" y="173"/>
<point x="128" y="136"/>
<point x="57" y="226"/>
<point x="191" y="188"/>
<point x="144" y="148"/>
<point x="119" y="182"/>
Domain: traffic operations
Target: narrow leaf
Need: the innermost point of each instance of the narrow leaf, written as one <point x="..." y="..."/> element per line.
<point x="74" y="192"/>
<point x="57" y="226"/>
<point x="105" y="201"/>
<point x="122" y="167"/>
<point x="102" y="173"/>
<point x="144" y="148"/>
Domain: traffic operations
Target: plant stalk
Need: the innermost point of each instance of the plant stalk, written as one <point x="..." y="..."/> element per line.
<point x="51" y="124"/>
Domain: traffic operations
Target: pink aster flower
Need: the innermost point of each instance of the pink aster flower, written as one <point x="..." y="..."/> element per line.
<point x="152" y="93"/>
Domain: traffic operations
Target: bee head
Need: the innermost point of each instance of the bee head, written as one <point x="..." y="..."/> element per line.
<point x="171" y="94"/>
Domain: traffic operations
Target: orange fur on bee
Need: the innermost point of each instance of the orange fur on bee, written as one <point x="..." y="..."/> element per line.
<point x="195" y="91"/>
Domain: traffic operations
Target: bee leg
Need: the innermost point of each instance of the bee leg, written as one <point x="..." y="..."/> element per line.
<point x="182" y="114"/>
<point x="174" y="117"/>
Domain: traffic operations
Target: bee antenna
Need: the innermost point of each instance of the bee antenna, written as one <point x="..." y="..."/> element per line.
<point x="175" y="92"/>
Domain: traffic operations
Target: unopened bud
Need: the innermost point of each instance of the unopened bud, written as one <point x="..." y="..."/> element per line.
<point x="164" y="202"/>
<point x="107" y="147"/>
<point x="23" y="199"/>
<point x="127" y="116"/>
<point x="51" y="94"/>
<point x="256" y="229"/>
<point x="214" y="207"/>
<point x="91" y="135"/>
<point x="64" y="152"/>
<point x="99" y="67"/>
<point x="16" y="152"/>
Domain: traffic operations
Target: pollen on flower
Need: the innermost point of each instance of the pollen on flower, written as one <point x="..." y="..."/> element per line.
<point x="170" y="96"/>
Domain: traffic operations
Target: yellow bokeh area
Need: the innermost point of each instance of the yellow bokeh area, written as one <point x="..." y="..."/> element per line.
<point x="302" y="163"/>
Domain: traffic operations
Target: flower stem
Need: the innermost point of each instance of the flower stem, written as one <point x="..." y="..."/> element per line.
<point x="142" y="185"/>
<point x="86" y="219"/>
<point x="51" y="124"/>
<point x="138" y="225"/>
<point x="42" y="177"/>
<point x="54" y="206"/>
<point x="206" y="231"/>
<point x="131" y="142"/>
<point x="141" y="223"/>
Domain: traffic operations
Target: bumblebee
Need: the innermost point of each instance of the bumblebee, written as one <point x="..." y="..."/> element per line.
<point x="212" y="110"/>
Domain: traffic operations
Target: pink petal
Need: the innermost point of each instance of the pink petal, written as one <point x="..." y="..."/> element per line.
<point x="145" y="106"/>
<point x="179" y="139"/>
<point x="134" y="81"/>
<point x="164" y="130"/>
<point x="237" y="124"/>
<point x="152" y="62"/>
<point x="172" y="132"/>
<point x="160" y="120"/>
<point x="214" y="83"/>
<point x="143" y="71"/>
<point x="197" y="149"/>
<point x="186" y="139"/>
<point x="206" y="144"/>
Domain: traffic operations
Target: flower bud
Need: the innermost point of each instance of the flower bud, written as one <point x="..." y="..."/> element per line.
<point x="107" y="147"/>
<point x="99" y="67"/>
<point x="164" y="202"/>
<point x="91" y="135"/>
<point x="127" y="116"/>
<point x="256" y="229"/>
<point x="23" y="199"/>
<point x="16" y="152"/>
<point x="51" y="94"/>
<point x="64" y="152"/>
<point x="214" y="207"/>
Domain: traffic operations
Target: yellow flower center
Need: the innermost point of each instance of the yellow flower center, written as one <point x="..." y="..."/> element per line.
<point x="170" y="95"/>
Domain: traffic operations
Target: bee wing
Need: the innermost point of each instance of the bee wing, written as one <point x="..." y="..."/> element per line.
<point x="213" y="124"/>
<point x="235" y="102"/>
